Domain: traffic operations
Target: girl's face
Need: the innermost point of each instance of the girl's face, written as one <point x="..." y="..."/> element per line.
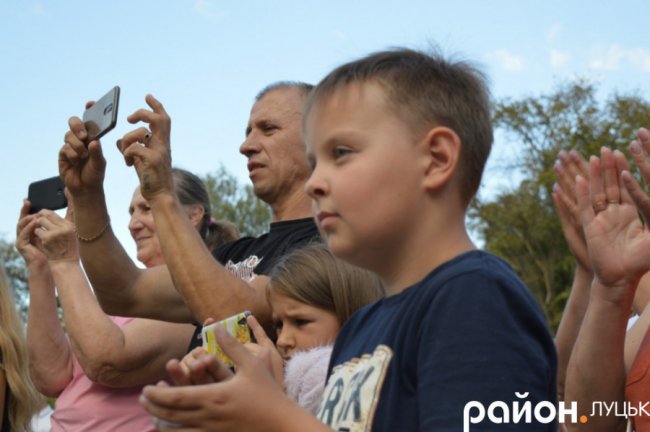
<point x="300" y="326"/>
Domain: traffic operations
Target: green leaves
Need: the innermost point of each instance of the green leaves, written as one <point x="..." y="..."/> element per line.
<point x="237" y="203"/>
<point x="521" y="225"/>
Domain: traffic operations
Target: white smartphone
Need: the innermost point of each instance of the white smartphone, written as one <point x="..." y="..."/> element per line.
<point x="235" y="325"/>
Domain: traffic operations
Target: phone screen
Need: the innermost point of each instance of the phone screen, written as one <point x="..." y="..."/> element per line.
<point x="100" y="118"/>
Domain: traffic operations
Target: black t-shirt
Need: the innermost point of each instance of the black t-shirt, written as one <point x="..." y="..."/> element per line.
<point x="249" y="256"/>
<point x="469" y="331"/>
<point x="258" y="255"/>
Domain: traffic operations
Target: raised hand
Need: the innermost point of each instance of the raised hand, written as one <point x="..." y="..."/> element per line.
<point x="640" y="149"/>
<point x="81" y="165"/>
<point x="57" y="236"/>
<point x="569" y="166"/>
<point x="149" y="149"/>
<point x="617" y="240"/>
<point x="27" y="243"/>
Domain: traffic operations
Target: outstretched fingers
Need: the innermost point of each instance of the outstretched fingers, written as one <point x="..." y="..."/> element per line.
<point x="585" y="207"/>
<point x="610" y="176"/>
<point x="637" y="194"/>
<point x="640" y="149"/>
<point x="597" y="195"/>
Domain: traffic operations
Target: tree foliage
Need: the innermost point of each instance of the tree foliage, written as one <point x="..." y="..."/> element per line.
<point x="521" y="225"/>
<point x="236" y="203"/>
<point x="16" y="270"/>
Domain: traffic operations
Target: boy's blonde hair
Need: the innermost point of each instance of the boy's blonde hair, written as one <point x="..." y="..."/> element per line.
<point x="312" y="275"/>
<point x="427" y="90"/>
<point x="23" y="397"/>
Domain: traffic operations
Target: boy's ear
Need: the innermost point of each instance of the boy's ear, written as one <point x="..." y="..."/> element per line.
<point x="442" y="152"/>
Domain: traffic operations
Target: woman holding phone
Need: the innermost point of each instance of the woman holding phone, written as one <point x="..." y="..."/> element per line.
<point x="98" y="369"/>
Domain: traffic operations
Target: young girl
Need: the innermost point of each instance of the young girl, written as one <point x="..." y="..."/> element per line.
<point x="18" y="397"/>
<point x="311" y="294"/>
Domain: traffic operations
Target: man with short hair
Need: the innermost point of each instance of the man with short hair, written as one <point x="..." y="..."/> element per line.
<point x="278" y="170"/>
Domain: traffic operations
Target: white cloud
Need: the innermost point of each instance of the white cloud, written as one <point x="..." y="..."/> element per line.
<point x="559" y="59"/>
<point x="552" y="33"/>
<point x="207" y="8"/>
<point x="615" y="57"/>
<point x="608" y="59"/>
<point x="507" y="60"/>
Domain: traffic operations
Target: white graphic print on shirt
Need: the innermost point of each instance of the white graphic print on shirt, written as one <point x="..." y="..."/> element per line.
<point x="352" y="392"/>
<point x="244" y="269"/>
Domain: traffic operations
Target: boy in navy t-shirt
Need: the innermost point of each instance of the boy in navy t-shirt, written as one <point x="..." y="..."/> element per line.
<point x="398" y="141"/>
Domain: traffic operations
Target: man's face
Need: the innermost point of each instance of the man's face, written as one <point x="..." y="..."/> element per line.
<point x="274" y="148"/>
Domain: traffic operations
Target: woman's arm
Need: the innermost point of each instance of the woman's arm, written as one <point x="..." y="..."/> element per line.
<point x="48" y="349"/>
<point x="108" y="353"/>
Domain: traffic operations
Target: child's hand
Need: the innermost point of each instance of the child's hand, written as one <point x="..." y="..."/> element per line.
<point x="226" y="405"/>
<point x="568" y="167"/>
<point x="617" y="240"/>
<point x="197" y="367"/>
<point x="265" y="350"/>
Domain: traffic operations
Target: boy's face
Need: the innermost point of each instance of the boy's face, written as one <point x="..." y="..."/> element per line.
<point x="367" y="174"/>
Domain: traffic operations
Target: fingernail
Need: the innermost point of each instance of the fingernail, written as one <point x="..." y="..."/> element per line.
<point x="574" y="153"/>
<point x="556" y="187"/>
<point x="81" y="134"/>
<point x="562" y="155"/>
<point x="643" y="131"/>
<point x="557" y="167"/>
<point x="635" y="147"/>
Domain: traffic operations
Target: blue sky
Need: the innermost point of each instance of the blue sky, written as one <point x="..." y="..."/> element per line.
<point x="206" y="60"/>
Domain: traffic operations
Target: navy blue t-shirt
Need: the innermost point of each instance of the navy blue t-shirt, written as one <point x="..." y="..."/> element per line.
<point x="469" y="331"/>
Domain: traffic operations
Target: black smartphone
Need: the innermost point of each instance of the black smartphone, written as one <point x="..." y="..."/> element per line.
<point x="47" y="194"/>
<point x="100" y="118"/>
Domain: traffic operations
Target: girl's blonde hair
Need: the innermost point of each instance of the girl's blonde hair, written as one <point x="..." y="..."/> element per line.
<point x="312" y="275"/>
<point x="23" y="396"/>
